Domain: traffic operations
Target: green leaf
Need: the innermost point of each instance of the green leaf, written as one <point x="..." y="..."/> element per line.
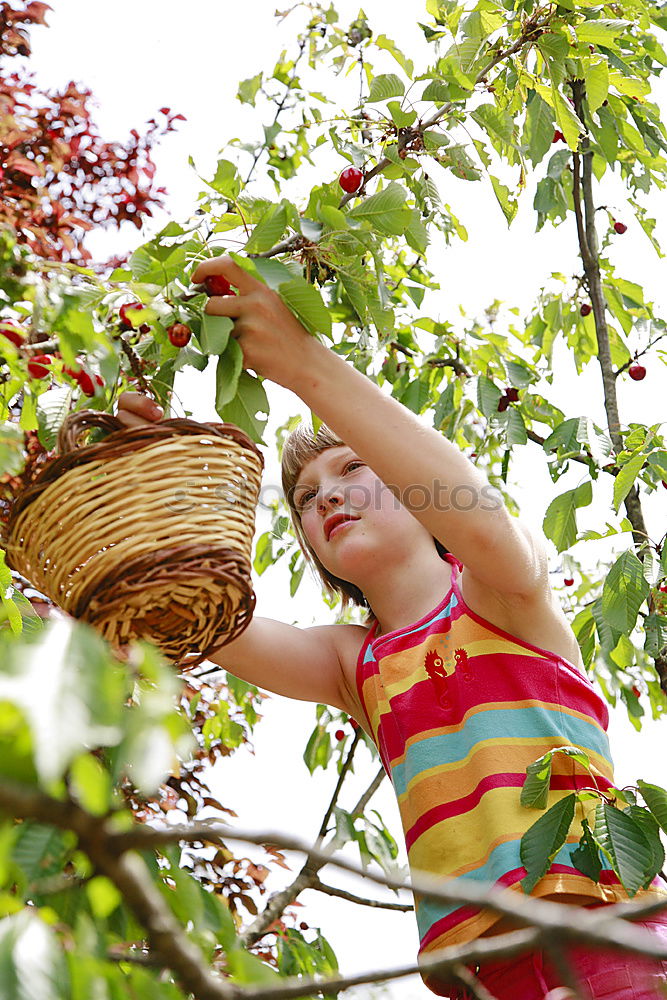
<point x="586" y="857"/>
<point x="655" y="627"/>
<point x="91" y="784"/>
<point x="538" y="129"/>
<point x="40" y="850"/>
<point x="496" y="122"/>
<point x="384" y="86"/>
<point x="226" y="181"/>
<point x="268" y="230"/>
<point x="655" y="798"/>
<point x="488" y="396"/>
<point x="385" y="211"/>
<point x="247" y="91"/>
<point x="624" y="590"/>
<point x="382" y="42"/>
<point x="541" y="843"/>
<point x="560" y="520"/>
<point x="602" y="31"/>
<point x="214" y="335"/>
<point x="227" y="374"/>
<point x="82" y="692"/>
<point x="53" y="406"/>
<point x="625" y="480"/>
<point x="503" y="195"/>
<point x="307" y="304"/>
<point x="31" y="963"/>
<point x="596" y="76"/>
<point x="625" y="844"/>
<point x="103" y="895"/>
<point x="515" y="429"/>
<point x="535" y="791"/>
<point x="244" y="409"/>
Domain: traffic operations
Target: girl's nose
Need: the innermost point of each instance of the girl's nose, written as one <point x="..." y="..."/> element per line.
<point x="334" y="497"/>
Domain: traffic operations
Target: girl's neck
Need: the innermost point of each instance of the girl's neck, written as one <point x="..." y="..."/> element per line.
<point x="408" y="591"/>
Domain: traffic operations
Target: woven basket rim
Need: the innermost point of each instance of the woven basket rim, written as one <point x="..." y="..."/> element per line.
<point x="73" y="455"/>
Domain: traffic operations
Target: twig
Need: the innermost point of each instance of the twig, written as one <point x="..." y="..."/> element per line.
<point x="330" y="890"/>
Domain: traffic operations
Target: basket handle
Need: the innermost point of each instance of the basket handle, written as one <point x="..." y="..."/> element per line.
<point x="76" y="424"/>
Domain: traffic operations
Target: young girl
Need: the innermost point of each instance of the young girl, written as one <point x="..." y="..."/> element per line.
<point x="466" y="669"/>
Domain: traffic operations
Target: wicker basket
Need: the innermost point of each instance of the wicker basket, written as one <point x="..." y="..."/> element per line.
<point x="147" y="533"/>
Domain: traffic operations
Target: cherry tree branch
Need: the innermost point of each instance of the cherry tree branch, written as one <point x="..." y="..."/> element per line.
<point x="551" y="924"/>
<point x="330" y="890"/>
<point x="589" y="255"/>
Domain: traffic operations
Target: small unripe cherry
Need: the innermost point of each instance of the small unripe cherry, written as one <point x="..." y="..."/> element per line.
<point x="586" y="309"/>
<point x="339" y="734"/>
<point x="123" y="313"/>
<point x="569" y="581"/>
<point x="620" y="227"/>
<point x="179" y="334"/>
<point x="637" y="372"/>
<point x="217" y="284"/>
<point x="36" y="365"/>
<point x="351" y="179"/>
<point x="13" y="332"/>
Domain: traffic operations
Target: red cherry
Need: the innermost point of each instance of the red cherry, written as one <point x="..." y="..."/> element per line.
<point x="663" y="588"/>
<point x="85" y="383"/>
<point x="12" y="331"/>
<point x="512" y="394"/>
<point x="503" y="403"/>
<point x="637" y="372"/>
<point x="664" y="483"/>
<point x="217" y="284"/>
<point x="339" y="734"/>
<point x="569" y="581"/>
<point x="303" y="926"/>
<point x="351" y="179"/>
<point x="99" y="380"/>
<point x="558" y="136"/>
<point x="586" y="309"/>
<point x="36" y="366"/>
<point x="620" y="227"/>
<point x="179" y="334"/>
<point x="122" y="312"/>
<point x="636" y="692"/>
<point x="144" y="328"/>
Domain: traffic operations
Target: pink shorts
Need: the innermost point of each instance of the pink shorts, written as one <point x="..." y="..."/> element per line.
<point x="603" y="974"/>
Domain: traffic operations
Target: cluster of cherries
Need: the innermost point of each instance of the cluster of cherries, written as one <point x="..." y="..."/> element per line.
<point x="40" y="365"/>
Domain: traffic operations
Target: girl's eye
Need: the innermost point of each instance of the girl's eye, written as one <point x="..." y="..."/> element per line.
<point x="305" y="497"/>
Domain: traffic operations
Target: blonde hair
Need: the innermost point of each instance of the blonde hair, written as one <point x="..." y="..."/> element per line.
<point x="300" y="446"/>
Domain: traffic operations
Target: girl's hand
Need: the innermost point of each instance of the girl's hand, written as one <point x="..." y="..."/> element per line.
<point x="274" y="344"/>
<point x="135" y="409"/>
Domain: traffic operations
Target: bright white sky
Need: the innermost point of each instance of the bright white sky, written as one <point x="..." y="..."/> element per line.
<point x="139" y="57"/>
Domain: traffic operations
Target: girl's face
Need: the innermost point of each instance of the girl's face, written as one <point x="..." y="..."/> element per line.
<point x="335" y="481"/>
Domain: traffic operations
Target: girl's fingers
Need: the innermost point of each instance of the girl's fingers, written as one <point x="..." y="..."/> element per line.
<point x="225" y="305"/>
<point x="128" y="419"/>
<point x="130" y="403"/>
<point x="230" y="269"/>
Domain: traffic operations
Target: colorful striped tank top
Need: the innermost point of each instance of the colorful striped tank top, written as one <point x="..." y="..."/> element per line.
<point x="458" y="709"/>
